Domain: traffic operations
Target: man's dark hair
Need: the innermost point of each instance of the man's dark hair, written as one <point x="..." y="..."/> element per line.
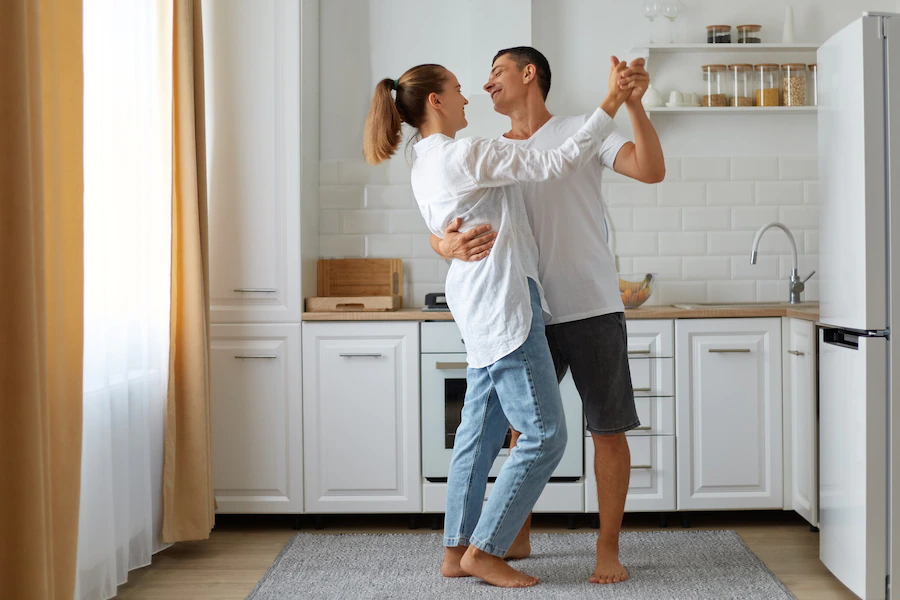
<point x="526" y="55"/>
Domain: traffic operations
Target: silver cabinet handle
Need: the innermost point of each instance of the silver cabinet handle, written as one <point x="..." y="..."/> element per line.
<point x="642" y="428"/>
<point x="256" y="290"/>
<point x="361" y="355"/>
<point x="729" y="350"/>
<point x="257" y="356"/>
<point x="642" y="389"/>
<point x="451" y="366"/>
<point x="641" y="466"/>
<point x="639" y="352"/>
<point x="796" y="353"/>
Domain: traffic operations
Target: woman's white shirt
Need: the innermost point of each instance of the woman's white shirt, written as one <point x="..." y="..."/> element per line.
<point x="471" y="179"/>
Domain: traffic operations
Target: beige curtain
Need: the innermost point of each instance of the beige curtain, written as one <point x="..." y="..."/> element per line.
<point x="41" y="271"/>
<point x="189" y="502"/>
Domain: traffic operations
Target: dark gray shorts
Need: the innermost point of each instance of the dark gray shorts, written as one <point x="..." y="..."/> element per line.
<point x="596" y="349"/>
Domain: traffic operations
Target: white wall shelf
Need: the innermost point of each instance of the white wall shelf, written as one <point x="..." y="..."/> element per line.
<point x="731" y="110"/>
<point x="686" y="48"/>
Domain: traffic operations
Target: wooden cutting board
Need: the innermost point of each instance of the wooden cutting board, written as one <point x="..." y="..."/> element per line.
<point x="358" y="284"/>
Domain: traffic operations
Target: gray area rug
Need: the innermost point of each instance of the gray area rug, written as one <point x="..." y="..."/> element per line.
<point x="689" y="565"/>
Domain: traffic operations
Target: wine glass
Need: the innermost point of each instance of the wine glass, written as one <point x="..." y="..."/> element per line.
<point x="670" y="10"/>
<point x="650" y="10"/>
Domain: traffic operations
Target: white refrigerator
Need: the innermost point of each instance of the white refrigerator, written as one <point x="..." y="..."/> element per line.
<point x="859" y="248"/>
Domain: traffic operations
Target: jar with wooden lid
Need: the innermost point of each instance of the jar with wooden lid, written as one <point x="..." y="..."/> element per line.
<point x="748" y="34"/>
<point x="718" y="34"/>
<point x="793" y="84"/>
<point x="714" y="76"/>
<point x="813" y="83"/>
<point x="768" y="81"/>
<point x="742" y="84"/>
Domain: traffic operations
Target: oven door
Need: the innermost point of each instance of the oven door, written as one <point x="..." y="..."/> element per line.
<point x="443" y="393"/>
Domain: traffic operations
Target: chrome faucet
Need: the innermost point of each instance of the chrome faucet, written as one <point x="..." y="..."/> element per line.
<point x="797" y="284"/>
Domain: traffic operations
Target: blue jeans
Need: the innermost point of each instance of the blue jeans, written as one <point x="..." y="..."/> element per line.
<point x="520" y="390"/>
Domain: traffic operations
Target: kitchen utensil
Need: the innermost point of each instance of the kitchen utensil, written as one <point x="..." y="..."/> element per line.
<point x="358" y="284"/>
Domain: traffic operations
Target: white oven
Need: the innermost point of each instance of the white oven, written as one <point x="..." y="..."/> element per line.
<point x="443" y="392"/>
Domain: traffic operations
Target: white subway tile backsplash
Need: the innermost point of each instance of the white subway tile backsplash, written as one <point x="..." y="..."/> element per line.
<point x="342" y="246"/>
<point x="422" y="246"/>
<point x="772" y="291"/>
<point x="624" y="264"/>
<point x="706" y="267"/>
<point x="360" y="172"/>
<point x="631" y="194"/>
<point x="682" y="194"/>
<point x="673" y="169"/>
<point x="705" y="219"/>
<point x="766" y="267"/>
<point x="389" y="196"/>
<point x="682" y="243"/>
<point x="668" y="267"/>
<point x="800" y="217"/>
<point x="811" y="239"/>
<point x="799" y="168"/>
<point x="733" y="193"/>
<point x="636" y="244"/>
<point x="329" y="222"/>
<point x="657" y="219"/>
<point x="365" y="221"/>
<point x="443" y="269"/>
<point x="754" y="169"/>
<point x="399" y="169"/>
<point x="421" y="270"/>
<point x="811" y="190"/>
<point x="341" y="196"/>
<point x="731" y="242"/>
<point x="329" y="172"/>
<point x="779" y="193"/>
<point x="705" y="169"/>
<point x="752" y="217"/>
<point x="621" y="219"/>
<point x="414" y="293"/>
<point x="389" y="246"/>
<point x="731" y="291"/>
<point x="671" y="292"/>
<point x="407" y="221"/>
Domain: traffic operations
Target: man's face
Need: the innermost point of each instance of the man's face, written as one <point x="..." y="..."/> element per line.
<point x="508" y="85"/>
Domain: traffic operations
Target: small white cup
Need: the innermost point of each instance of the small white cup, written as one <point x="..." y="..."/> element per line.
<point x="692" y="99"/>
<point x="675" y="97"/>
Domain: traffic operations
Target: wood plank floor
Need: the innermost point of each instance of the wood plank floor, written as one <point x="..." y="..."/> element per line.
<point x="241" y="549"/>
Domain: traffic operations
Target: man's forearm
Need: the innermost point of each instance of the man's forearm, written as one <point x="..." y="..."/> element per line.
<point x="647" y="149"/>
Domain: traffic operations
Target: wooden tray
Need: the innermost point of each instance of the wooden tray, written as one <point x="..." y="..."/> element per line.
<point x="353" y="277"/>
<point x="354" y="304"/>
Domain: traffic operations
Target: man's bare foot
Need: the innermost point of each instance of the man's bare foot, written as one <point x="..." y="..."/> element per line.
<point x="493" y="570"/>
<point x="450" y="566"/>
<point x="521" y="548"/>
<point x="608" y="568"/>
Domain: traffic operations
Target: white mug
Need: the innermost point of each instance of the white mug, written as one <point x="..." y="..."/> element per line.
<point x="692" y="99"/>
<point x="675" y="97"/>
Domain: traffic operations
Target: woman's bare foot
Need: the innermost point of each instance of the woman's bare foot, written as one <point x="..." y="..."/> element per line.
<point x="493" y="570"/>
<point x="450" y="565"/>
<point x="608" y="568"/>
<point x="521" y="548"/>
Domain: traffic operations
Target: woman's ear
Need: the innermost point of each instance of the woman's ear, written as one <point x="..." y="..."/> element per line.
<point x="434" y="101"/>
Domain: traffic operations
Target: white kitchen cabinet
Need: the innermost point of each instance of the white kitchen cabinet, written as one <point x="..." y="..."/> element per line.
<point x="252" y="98"/>
<point x="651" y="352"/>
<point x="728" y="413"/>
<point x="652" y="484"/>
<point x="799" y="358"/>
<point x="256" y="418"/>
<point x="361" y="417"/>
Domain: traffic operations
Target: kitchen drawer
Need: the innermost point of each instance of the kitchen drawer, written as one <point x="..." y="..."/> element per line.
<point x="652" y="485"/>
<point x="652" y="376"/>
<point x="441" y="337"/>
<point x="657" y="415"/>
<point x="651" y="338"/>
<point x="557" y="497"/>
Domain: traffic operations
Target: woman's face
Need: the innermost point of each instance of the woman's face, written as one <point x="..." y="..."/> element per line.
<point x="453" y="103"/>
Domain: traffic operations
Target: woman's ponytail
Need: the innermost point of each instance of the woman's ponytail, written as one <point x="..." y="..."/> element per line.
<point x="381" y="135"/>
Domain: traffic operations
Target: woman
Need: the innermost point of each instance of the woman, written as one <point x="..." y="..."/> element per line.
<point x="497" y="304"/>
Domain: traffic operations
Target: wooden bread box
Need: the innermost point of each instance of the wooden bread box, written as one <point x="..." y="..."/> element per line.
<point x="358" y="285"/>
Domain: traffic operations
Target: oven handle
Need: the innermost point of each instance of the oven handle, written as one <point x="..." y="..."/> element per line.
<point x="451" y="366"/>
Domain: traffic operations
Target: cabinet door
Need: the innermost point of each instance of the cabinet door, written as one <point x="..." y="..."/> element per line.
<point x="256" y="418"/>
<point x="729" y="414"/>
<point x="252" y="88"/>
<point x="801" y="418"/>
<point x="361" y="413"/>
<point x="651" y="486"/>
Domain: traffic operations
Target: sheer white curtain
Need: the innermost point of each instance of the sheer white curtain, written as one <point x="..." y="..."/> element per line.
<point x="127" y="208"/>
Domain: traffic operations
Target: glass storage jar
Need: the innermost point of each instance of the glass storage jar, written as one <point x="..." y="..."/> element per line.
<point x="748" y="34"/>
<point x="813" y="83"/>
<point x="742" y="84"/>
<point x="714" y="76"/>
<point x="768" y="90"/>
<point x="793" y="84"/>
<point x="718" y="34"/>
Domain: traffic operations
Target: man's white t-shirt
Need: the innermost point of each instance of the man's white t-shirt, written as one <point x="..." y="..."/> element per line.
<point x="576" y="266"/>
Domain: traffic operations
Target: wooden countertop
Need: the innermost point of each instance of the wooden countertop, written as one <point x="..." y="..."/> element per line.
<point x="808" y="311"/>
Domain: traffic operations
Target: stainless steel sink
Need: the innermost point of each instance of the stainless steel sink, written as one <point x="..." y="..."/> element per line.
<point x="733" y="305"/>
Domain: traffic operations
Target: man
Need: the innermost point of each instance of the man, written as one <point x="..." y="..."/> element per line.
<point x="577" y="270"/>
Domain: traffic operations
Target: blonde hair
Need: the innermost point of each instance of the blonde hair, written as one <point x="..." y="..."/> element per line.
<point x="381" y="135"/>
